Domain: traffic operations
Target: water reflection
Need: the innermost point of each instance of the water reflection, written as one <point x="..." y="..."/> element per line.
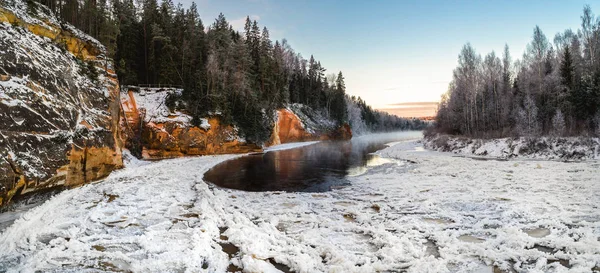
<point x="314" y="168"/>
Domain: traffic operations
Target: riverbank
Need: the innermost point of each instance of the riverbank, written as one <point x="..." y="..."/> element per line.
<point x="422" y="211"/>
<point x="546" y="148"/>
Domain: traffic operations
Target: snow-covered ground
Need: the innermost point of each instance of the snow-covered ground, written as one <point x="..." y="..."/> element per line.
<point x="421" y="212"/>
<point x="552" y="148"/>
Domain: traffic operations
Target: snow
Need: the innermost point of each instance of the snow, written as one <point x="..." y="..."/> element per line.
<point x="569" y="148"/>
<point x="432" y="213"/>
<point x="289" y="146"/>
<point x="130" y="161"/>
<point x="204" y="124"/>
<point x="153" y="100"/>
<point x="312" y="121"/>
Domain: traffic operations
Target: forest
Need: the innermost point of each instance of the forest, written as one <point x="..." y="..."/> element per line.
<point x="240" y="74"/>
<point x="553" y="90"/>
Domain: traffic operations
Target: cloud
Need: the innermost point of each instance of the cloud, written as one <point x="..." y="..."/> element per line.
<point x="417" y="112"/>
<point x="238" y="24"/>
<point x="414" y="104"/>
<point x="393" y="88"/>
<point x="412" y="109"/>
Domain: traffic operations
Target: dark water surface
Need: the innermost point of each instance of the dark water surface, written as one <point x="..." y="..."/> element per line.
<point x="315" y="168"/>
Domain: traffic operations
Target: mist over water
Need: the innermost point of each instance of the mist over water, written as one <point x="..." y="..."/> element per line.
<point x="314" y="168"/>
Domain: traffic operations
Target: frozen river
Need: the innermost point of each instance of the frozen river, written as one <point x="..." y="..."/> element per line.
<point x="418" y="211"/>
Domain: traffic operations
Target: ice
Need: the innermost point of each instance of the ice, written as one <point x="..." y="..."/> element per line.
<point x="289" y="146"/>
<point x="433" y="213"/>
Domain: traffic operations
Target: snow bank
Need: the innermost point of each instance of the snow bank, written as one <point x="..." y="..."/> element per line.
<point x="130" y="161"/>
<point x="287" y="146"/>
<point x="535" y="148"/>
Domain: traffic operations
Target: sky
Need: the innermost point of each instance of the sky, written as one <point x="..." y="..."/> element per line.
<point x="394" y="53"/>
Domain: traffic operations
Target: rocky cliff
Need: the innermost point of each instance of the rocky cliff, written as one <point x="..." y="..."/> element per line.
<point x="299" y="123"/>
<point x="59" y="103"/>
<point x="155" y="132"/>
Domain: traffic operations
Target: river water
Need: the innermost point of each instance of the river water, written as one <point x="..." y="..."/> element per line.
<point x="314" y="168"/>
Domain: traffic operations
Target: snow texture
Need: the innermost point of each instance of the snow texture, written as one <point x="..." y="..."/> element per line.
<point x="47" y="101"/>
<point x="570" y="148"/>
<point x="314" y="122"/>
<point x="422" y="212"/>
<point x="153" y="101"/>
<point x="288" y="146"/>
<point x="42" y="16"/>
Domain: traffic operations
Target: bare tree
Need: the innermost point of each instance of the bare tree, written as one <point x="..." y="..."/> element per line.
<point x="589" y="33"/>
<point x="527" y="123"/>
<point x="558" y="124"/>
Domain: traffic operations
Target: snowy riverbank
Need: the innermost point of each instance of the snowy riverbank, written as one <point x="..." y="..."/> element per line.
<point x="419" y="212"/>
<point x="566" y="148"/>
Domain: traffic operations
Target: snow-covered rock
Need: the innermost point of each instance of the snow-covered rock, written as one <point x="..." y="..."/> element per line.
<point x="298" y="122"/>
<point x="156" y="132"/>
<point x="159" y="132"/>
<point x="58" y="125"/>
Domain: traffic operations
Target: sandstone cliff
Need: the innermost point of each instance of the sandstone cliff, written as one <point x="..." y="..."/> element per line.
<point x="299" y="123"/>
<point x="153" y="131"/>
<point x="58" y="124"/>
<point x="157" y="132"/>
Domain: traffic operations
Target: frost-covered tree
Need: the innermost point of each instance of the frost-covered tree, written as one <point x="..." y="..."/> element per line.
<point x="492" y="74"/>
<point x="494" y="97"/>
<point x="558" y="124"/>
<point x="355" y="119"/>
<point x="597" y="120"/>
<point x="589" y="33"/>
<point x="527" y="123"/>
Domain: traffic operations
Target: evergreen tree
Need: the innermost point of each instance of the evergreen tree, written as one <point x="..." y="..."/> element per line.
<point x="339" y="109"/>
<point x="241" y="76"/>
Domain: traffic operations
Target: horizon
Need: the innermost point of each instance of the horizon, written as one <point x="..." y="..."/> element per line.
<point x="392" y="54"/>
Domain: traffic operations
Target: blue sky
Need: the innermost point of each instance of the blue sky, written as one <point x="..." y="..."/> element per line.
<point x="399" y="51"/>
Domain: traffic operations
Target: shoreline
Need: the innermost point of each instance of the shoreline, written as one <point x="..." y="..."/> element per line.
<point x="564" y="149"/>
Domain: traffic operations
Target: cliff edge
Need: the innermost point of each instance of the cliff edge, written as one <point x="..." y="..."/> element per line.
<point x="59" y="103"/>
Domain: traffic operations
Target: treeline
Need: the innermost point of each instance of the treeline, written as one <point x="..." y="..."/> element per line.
<point x="364" y="119"/>
<point x="240" y="74"/>
<point x="553" y="90"/>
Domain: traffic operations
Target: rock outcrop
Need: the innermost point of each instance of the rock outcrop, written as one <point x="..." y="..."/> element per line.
<point x="58" y="119"/>
<point x="152" y="131"/>
<point x="160" y="133"/>
<point x="299" y="123"/>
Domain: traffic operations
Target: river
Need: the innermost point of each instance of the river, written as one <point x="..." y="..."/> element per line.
<point x="318" y="167"/>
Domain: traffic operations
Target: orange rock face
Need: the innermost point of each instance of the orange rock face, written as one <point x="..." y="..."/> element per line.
<point x="289" y="128"/>
<point x="173" y="138"/>
<point x="167" y="140"/>
<point x="170" y="137"/>
<point x="76" y="138"/>
<point x="344" y="132"/>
